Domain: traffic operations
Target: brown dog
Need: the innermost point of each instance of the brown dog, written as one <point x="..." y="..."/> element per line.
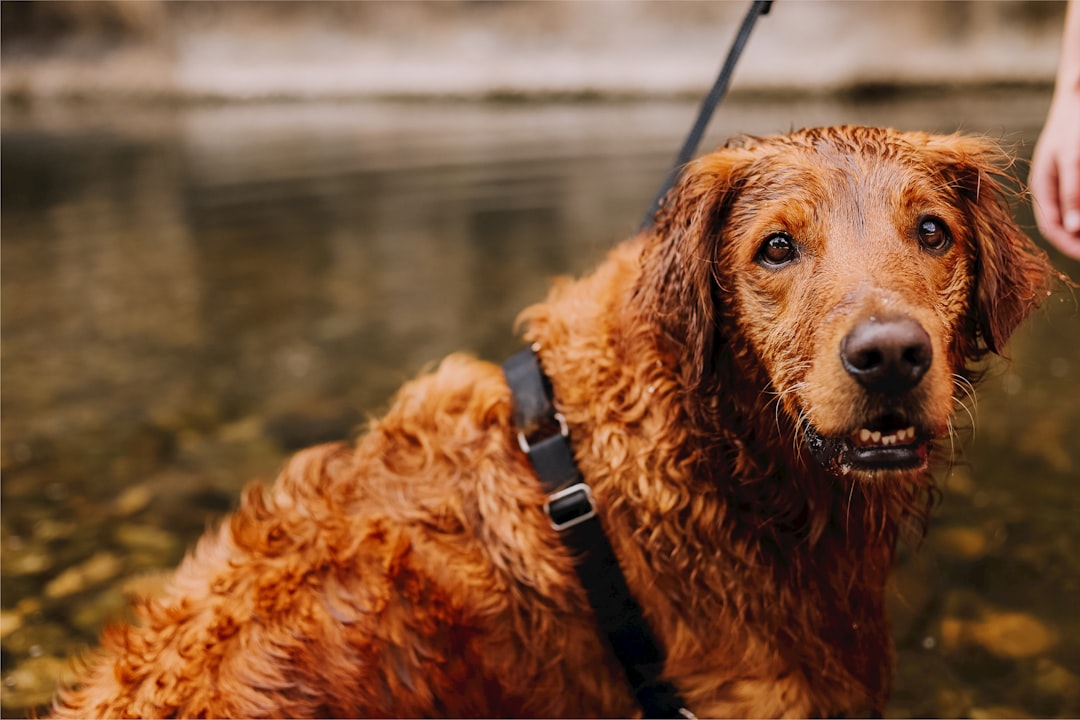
<point x="753" y="390"/>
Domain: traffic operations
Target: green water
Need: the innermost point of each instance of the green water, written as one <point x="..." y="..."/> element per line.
<point x="190" y="295"/>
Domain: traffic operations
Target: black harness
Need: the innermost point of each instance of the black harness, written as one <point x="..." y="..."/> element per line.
<point x="544" y="437"/>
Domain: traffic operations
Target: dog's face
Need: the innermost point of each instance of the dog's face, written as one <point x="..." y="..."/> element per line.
<point x="862" y="268"/>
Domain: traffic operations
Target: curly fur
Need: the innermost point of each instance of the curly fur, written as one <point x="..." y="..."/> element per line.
<point x="413" y="573"/>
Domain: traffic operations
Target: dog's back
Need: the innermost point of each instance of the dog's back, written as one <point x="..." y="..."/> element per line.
<point x="406" y="575"/>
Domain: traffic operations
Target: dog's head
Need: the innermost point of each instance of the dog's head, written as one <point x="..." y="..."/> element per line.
<point x="857" y="271"/>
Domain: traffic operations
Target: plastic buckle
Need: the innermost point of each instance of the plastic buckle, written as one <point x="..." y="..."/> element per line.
<point x="570" y="506"/>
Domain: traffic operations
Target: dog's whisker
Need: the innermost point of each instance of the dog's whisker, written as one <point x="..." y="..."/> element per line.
<point x="795" y="439"/>
<point x="776" y="401"/>
<point x="952" y="440"/>
<point x="965" y="394"/>
<point x="850" y="499"/>
<point x="967" y="411"/>
<point x="966" y="386"/>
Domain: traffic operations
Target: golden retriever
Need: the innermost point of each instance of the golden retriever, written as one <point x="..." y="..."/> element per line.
<point x="754" y="388"/>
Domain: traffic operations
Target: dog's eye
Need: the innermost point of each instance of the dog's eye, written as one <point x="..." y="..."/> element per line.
<point x="778" y="249"/>
<point x="934" y="235"/>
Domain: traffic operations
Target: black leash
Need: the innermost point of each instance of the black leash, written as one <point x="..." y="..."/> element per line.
<point x="708" y="105"/>
<point x="544" y="437"/>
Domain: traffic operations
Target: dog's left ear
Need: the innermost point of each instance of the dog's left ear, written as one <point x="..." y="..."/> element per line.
<point x="675" y="292"/>
<point x="1013" y="276"/>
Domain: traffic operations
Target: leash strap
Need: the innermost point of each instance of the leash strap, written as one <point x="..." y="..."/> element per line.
<point x="544" y="437"/>
<point x="708" y="105"/>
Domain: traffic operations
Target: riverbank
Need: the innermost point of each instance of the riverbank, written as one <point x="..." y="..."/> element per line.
<point x="153" y="52"/>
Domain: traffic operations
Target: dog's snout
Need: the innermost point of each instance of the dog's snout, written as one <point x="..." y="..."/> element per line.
<point x="887" y="356"/>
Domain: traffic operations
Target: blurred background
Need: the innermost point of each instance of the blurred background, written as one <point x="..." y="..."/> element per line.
<point x="231" y="230"/>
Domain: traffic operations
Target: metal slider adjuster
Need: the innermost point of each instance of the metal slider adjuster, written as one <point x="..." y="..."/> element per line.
<point x="564" y="431"/>
<point x="570" y="506"/>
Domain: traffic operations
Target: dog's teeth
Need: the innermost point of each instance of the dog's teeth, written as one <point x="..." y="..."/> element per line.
<point x="866" y="436"/>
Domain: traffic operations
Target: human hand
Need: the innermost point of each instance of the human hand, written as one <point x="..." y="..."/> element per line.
<point x="1055" y="174"/>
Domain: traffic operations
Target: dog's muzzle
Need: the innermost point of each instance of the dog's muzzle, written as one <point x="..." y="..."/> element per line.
<point x="888" y="358"/>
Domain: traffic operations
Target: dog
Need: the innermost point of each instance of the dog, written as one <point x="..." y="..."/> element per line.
<point x="756" y="388"/>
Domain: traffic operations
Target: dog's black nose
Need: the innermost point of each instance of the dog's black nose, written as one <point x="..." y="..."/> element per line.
<point x="887" y="355"/>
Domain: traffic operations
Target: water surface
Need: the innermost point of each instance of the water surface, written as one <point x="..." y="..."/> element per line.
<point x="190" y="295"/>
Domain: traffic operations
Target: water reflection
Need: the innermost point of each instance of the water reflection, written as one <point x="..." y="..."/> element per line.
<point x="189" y="296"/>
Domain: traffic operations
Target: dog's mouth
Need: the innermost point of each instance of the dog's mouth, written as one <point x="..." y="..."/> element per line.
<point x="890" y="442"/>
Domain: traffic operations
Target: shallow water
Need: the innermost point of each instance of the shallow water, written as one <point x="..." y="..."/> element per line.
<point x="190" y="295"/>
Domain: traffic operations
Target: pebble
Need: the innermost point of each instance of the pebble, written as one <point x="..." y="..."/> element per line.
<point x="147" y="585"/>
<point x="33" y="682"/>
<point x="997" y="712"/>
<point x="908" y="597"/>
<point x="50" y="530"/>
<point x="962" y="602"/>
<point x="304" y="427"/>
<point x="100" y="567"/>
<point x="960" y="482"/>
<point x="952" y="702"/>
<point x="90" y="615"/>
<point x="1053" y="680"/>
<point x="28" y="606"/>
<point x="1013" y="635"/>
<point x="10" y="621"/>
<point x="966" y="543"/>
<point x="43" y="638"/>
<point x="242" y="431"/>
<point x="147" y="538"/>
<point x="952" y="632"/>
<point x="1003" y="634"/>
<point x="133" y="500"/>
<point x="30" y="561"/>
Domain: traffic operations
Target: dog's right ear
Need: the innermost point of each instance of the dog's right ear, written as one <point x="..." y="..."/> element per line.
<point x="1013" y="276"/>
<point x="676" y="289"/>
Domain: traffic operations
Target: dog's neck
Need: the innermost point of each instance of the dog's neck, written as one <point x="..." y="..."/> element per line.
<point x="705" y="493"/>
<point x="703" y="513"/>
